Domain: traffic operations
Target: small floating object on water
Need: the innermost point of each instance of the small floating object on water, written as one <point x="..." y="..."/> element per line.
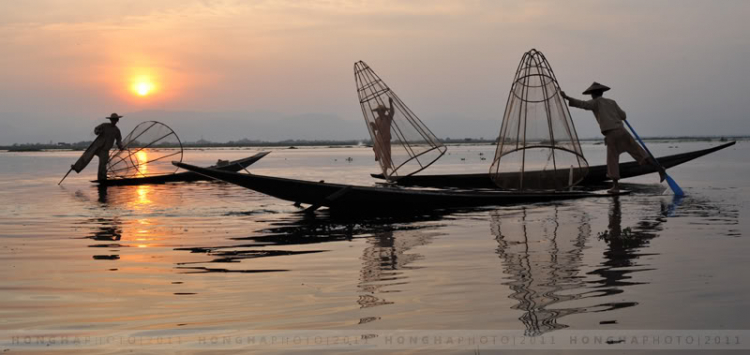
<point x="463" y="159"/>
<point x="349" y="159"/>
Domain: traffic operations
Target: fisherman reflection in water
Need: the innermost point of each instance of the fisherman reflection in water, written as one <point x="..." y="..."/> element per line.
<point x="382" y="129"/>
<point x="107" y="134"/>
<point x="610" y="116"/>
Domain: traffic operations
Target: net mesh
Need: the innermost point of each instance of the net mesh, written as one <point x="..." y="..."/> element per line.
<point x="148" y="150"/>
<point x="403" y="145"/>
<point x="537" y="148"/>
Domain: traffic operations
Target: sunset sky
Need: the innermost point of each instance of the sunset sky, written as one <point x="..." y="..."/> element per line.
<point x="271" y="70"/>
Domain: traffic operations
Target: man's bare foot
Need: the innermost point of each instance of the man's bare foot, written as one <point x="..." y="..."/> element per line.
<point x="615" y="187"/>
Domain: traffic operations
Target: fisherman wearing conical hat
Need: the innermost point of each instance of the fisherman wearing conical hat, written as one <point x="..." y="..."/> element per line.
<point x="609" y="115"/>
<point x="107" y="134"/>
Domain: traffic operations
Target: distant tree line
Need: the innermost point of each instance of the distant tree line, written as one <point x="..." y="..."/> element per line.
<point x="201" y="143"/>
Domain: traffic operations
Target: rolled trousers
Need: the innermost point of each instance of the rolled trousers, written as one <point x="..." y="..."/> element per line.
<point x="618" y="140"/>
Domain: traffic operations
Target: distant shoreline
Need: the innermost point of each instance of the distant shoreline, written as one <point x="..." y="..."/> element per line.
<point x="35" y="147"/>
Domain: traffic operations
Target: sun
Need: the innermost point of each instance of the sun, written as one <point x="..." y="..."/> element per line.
<point x="143" y="85"/>
<point x="143" y="88"/>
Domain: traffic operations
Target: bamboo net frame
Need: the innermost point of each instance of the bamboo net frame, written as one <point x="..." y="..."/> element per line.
<point x="538" y="147"/>
<point x="403" y="145"/>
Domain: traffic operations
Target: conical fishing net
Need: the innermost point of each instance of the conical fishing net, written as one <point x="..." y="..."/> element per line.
<point x="538" y="147"/>
<point x="403" y="145"/>
<point x="148" y="150"/>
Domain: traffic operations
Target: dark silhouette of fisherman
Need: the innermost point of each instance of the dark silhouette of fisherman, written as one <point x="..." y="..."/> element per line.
<point x="610" y="116"/>
<point x="382" y="129"/>
<point x="107" y="134"/>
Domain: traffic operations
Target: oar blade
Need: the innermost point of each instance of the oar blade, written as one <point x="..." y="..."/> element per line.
<point x="672" y="184"/>
<point x="675" y="188"/>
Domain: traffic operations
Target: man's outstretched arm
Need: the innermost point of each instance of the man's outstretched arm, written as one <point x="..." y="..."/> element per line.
<point x="586" y="105"/>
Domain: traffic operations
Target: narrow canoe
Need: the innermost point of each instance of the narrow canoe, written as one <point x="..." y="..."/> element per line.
<point x="597" y="174"/>
<point x="352" y="199"/>
<point x="185" y="176"/>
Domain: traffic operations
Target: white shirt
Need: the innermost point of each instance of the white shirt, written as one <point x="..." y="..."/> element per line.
<point x="608" y="114"/>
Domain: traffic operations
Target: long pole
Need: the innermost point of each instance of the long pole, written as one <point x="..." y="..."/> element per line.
<point x="66" y="175"/>
<point x="672" y="184"/>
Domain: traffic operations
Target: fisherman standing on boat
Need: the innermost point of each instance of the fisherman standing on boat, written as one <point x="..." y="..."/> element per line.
<point x="382" y="129"/>
<point x="610" y="116"/>
<point x="107" y="135"/>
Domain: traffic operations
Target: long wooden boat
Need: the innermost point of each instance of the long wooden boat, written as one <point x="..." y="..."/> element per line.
<point x="351" y="198"/>
<point x="597" y="174"/>
<point x="185" y="176"/>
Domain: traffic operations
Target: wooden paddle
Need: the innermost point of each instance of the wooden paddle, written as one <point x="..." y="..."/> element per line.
<point x="672" y="184"/>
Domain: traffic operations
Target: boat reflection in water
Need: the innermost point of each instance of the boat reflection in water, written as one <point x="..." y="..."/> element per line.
<point x="542" y="251"/>
<point x="383" y="263"/>
<point x="106" y="231"/>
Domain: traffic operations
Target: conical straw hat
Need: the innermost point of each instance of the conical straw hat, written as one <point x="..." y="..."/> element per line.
<point x="596" y="87"/>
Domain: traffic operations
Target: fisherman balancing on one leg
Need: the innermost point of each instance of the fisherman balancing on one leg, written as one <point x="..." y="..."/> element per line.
<point x="107" y="135"/>
<point x="610" y="116"/>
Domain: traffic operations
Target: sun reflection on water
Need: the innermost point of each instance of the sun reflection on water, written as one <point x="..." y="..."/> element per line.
<point x="143" y="195"/>
<point x="141" y="158"/>
<point x="143" y="231"/>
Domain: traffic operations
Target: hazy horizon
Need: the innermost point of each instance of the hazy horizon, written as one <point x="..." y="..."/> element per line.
<point x="274" y="70"/>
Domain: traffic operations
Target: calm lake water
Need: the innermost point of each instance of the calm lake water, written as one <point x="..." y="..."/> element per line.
<point x="207" y="266"/>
